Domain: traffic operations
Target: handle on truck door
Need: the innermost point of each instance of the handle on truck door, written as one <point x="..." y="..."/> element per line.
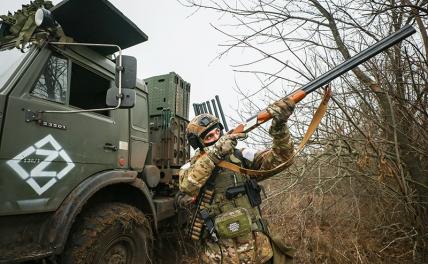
<point x="109" y="146"/>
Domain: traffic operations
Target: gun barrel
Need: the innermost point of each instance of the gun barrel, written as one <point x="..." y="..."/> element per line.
<point x="361" y="57"/>
<point x="327" y="77"/>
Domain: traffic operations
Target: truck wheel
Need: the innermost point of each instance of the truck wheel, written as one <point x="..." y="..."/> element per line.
<point x="112" y="233"/>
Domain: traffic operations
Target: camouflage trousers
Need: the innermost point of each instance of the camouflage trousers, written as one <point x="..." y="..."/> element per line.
<point x="252" y="248"/>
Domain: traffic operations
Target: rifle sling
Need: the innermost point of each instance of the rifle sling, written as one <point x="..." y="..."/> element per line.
<point x="316" y="120"/>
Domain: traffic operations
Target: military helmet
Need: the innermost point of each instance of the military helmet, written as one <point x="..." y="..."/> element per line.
<point x="199" y="127"/>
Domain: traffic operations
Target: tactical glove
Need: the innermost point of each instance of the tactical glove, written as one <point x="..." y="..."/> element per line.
<point x="281" y="110"/>
<point x="224" y="146"/>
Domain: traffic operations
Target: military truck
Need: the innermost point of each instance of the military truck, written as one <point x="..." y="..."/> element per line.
<point x="89" y="154"/>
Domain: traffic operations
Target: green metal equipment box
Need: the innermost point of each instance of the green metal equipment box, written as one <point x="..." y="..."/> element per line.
<point x="169" y="92"/>
<point x="169" y="100"/>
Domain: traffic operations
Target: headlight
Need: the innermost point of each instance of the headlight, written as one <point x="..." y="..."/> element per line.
<point x="44" y="18"/>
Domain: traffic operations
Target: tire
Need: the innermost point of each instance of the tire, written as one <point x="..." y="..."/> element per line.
<point x="112" y="233"/>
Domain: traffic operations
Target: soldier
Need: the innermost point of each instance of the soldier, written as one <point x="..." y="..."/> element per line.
<point x="241" y="235"/>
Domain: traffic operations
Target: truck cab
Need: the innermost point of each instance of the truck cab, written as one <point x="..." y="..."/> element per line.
<point x="80" y="186"/>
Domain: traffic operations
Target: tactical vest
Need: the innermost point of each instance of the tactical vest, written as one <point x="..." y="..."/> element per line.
<point x="224" y="179"/>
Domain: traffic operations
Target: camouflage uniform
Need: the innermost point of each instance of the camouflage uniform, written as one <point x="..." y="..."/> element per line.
<point x="255" y="246"/>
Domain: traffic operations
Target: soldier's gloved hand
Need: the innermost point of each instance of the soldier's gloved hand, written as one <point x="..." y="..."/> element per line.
<point x="281" y="110"/>
<point x="224" y="146"/>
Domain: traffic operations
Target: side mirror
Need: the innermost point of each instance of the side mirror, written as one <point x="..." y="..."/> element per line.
<point x="128" y="98"/>
<point x="128" y="70"/>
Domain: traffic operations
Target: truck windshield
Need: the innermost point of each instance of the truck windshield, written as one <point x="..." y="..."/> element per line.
<point x="9" y="61"/>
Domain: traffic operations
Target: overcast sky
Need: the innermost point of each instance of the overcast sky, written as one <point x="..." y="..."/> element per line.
<point x="178" y="41"/>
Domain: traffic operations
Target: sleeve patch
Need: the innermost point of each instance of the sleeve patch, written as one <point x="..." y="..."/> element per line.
<point x="249" y="154"/>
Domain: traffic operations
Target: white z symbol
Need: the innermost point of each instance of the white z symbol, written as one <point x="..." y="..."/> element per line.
<point x="38" y="171"/>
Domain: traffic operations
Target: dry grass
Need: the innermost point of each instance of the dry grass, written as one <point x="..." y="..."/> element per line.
<point x="346" y="219"/>
<point x="351" y="223"/>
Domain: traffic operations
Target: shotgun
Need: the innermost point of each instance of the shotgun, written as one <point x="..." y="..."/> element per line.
<point x="327" y="77"/>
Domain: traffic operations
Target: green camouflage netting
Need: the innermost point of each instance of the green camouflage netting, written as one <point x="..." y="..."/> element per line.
<point x="20" y="27"/>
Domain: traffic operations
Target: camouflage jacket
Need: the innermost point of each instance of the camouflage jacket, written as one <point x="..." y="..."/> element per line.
<point x="194" y="174"/>
<point x="252" y="247"/>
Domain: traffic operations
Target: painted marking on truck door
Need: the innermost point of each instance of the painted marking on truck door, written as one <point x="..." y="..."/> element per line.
<point x="39" y="171"/>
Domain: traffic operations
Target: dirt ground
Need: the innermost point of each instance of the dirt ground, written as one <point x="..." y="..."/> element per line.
<point x="172" y="247"/>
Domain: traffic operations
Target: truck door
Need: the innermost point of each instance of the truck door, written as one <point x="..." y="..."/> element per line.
<point x="139" y="138"/>
<point x="46" y="155"/>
